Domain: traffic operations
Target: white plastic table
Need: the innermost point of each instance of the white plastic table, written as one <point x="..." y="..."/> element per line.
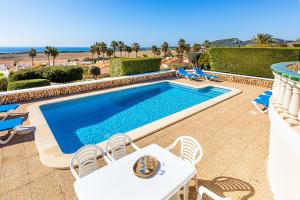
<point x="117" y="181"/>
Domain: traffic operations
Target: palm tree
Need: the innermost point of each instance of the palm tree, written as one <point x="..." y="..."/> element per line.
<point x="102" y="49"/>
<point x="93" y="50"/>
<point x="165" y="48"/>
<point x="182" y="47"/>
<point x="206" y="44"/>
<point x="54" y="53"/>
<point x="187" y="48"/>
<point x="97" y="50"/>
<point x="128" y="49"/>
<point x="177" y="50"/>
<point x="196" y="47"/>
<point x="157" y="52"/>
<point x="121" y="46"/>
<point x="32" y="54"/>
<point x="154" y="50"/>
<point x="135" y="47"/>
<point x="262" y="39"/>
<point x="109" y="52"/>
<point x="114" y="46"/>
<point x="47" y="53"/>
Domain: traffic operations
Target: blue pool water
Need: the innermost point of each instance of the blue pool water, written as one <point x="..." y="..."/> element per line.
<point x="93" y="119"/>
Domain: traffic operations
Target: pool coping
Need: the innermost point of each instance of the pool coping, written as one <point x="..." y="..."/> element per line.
<point x="49" y="150"/>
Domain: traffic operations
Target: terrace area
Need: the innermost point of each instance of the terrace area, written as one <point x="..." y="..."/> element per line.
<point x="233" y="134"/>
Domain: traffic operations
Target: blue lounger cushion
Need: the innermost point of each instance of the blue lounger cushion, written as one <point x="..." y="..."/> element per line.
<point x="10" y="124"/>
<point x="199" y="72"/>
<point x="182" y="72"/>
<point x="263" y="100"/>
<point x="6" y="108"/>
<point x="268" y="92"/>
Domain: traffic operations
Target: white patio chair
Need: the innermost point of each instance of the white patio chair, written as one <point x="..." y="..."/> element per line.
<point x="190" y="150"/>
<point x="116" y="146"/>
<point x="203" y="190"/>
<point x="86" y="159"/>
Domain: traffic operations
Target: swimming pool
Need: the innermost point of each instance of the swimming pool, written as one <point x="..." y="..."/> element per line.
<point x="93" y="119"/>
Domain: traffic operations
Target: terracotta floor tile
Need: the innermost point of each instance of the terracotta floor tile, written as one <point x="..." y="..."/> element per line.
<point x="233" y="134"/>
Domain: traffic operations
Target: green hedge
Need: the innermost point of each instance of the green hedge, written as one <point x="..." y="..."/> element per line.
<point x="25" y="74"/>
<point x="3" y="84"/>
<point x="128" y="66"/>
<point x="250" y="61"/>
<point x="63" y="74"/>
<point x="16" y="85"/>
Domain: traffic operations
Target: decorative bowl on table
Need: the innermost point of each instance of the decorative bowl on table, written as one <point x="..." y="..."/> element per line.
<point x="146" y="166"/>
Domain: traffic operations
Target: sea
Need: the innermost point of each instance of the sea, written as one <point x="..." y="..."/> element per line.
<point x="13" y="50"/>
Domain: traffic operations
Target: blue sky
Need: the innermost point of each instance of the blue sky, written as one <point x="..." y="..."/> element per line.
<point x="83" y="22"/>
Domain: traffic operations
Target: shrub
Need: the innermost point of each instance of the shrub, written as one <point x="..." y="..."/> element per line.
<point x="1" y="75"/>
<point x="3" y="84"/>
<point x="25" y="74"/>
<point x="16" y="85"/>
<point x="296" y="45"/>
<point x="193" y="58"/>
<point x="127" y="66"/>
<point x="95" y="71"/>
<point x="203" y="61"/>
<point x="63" y="74"/>
<point x="250" y="61"/>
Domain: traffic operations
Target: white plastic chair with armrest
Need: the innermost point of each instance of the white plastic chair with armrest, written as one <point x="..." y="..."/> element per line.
<point x="203" y="190"/>
<point x="116" y="146"/>
<point x="86" y="159"/>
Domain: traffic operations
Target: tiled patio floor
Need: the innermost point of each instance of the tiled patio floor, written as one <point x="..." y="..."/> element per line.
<point x="233" y="135"/>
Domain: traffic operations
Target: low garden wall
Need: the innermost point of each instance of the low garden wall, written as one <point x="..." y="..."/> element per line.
<point x="250" y="80"/>
<point x="80" y="87"/>
<point x="75" y="88"/>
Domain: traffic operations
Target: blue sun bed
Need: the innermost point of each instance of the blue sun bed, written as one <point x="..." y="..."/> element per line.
<point x="200" y="73"/>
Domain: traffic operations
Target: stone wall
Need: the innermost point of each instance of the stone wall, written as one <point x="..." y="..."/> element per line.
<point x="250" y="80"/>
<point x="75" y="88"/>
<point x="80" y="87"/>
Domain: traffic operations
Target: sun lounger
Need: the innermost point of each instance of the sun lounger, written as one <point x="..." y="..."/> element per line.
<point x="200" y="73"/>
<point x="181" y="72"/>
<point x="14" y="126"/>
<point x="8" y="109"/>
<point x="268" y="92"/>
<point x="262" y="100"/>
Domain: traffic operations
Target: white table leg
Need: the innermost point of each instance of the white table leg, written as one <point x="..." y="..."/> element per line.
<point x="186" y="191"/>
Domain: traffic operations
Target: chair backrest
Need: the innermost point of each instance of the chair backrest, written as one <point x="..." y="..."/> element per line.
<point x="190" y="149"/>
<point x="198" y="71"/>
<point x="203" y="190"/>
<point x="86" y="159"/>
<point x="117" y="145"/>
<point x="181" y="70"/>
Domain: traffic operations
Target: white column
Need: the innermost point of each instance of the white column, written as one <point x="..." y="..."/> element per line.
<point x="276" y="87"/>
<point x="281" y="95"/>
<point x="294" y="106"/>
<point x="287" y="96"/>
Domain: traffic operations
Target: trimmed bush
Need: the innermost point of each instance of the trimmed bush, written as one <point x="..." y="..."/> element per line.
<point x="193" y="58"/>
<point x="94" y="71"/>
<point x="25" y="74"/>
<point x="3" y="84"/>
<point x="203" y="61"/>
<point x="63" y="74"/>
<point x="17" y="85"/>
<point x="296" y="45"/>
<point x="128" y="66"/>
<point x="250" y="61"/>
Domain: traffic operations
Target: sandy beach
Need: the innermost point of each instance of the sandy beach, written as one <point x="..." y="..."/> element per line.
<point x="9" y="59"/>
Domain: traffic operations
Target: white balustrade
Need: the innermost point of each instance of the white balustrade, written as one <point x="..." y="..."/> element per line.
<point x="294" y="105"/>
<point x="287" y="97"/>
<point x="276" y="87"/>
<point x="280" y="99"/>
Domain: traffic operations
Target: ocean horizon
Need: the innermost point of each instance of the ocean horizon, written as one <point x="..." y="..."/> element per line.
<point x="19" y="50"/>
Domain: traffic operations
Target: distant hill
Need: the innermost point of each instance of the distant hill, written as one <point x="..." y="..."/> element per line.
<point x="236" y="42"/>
